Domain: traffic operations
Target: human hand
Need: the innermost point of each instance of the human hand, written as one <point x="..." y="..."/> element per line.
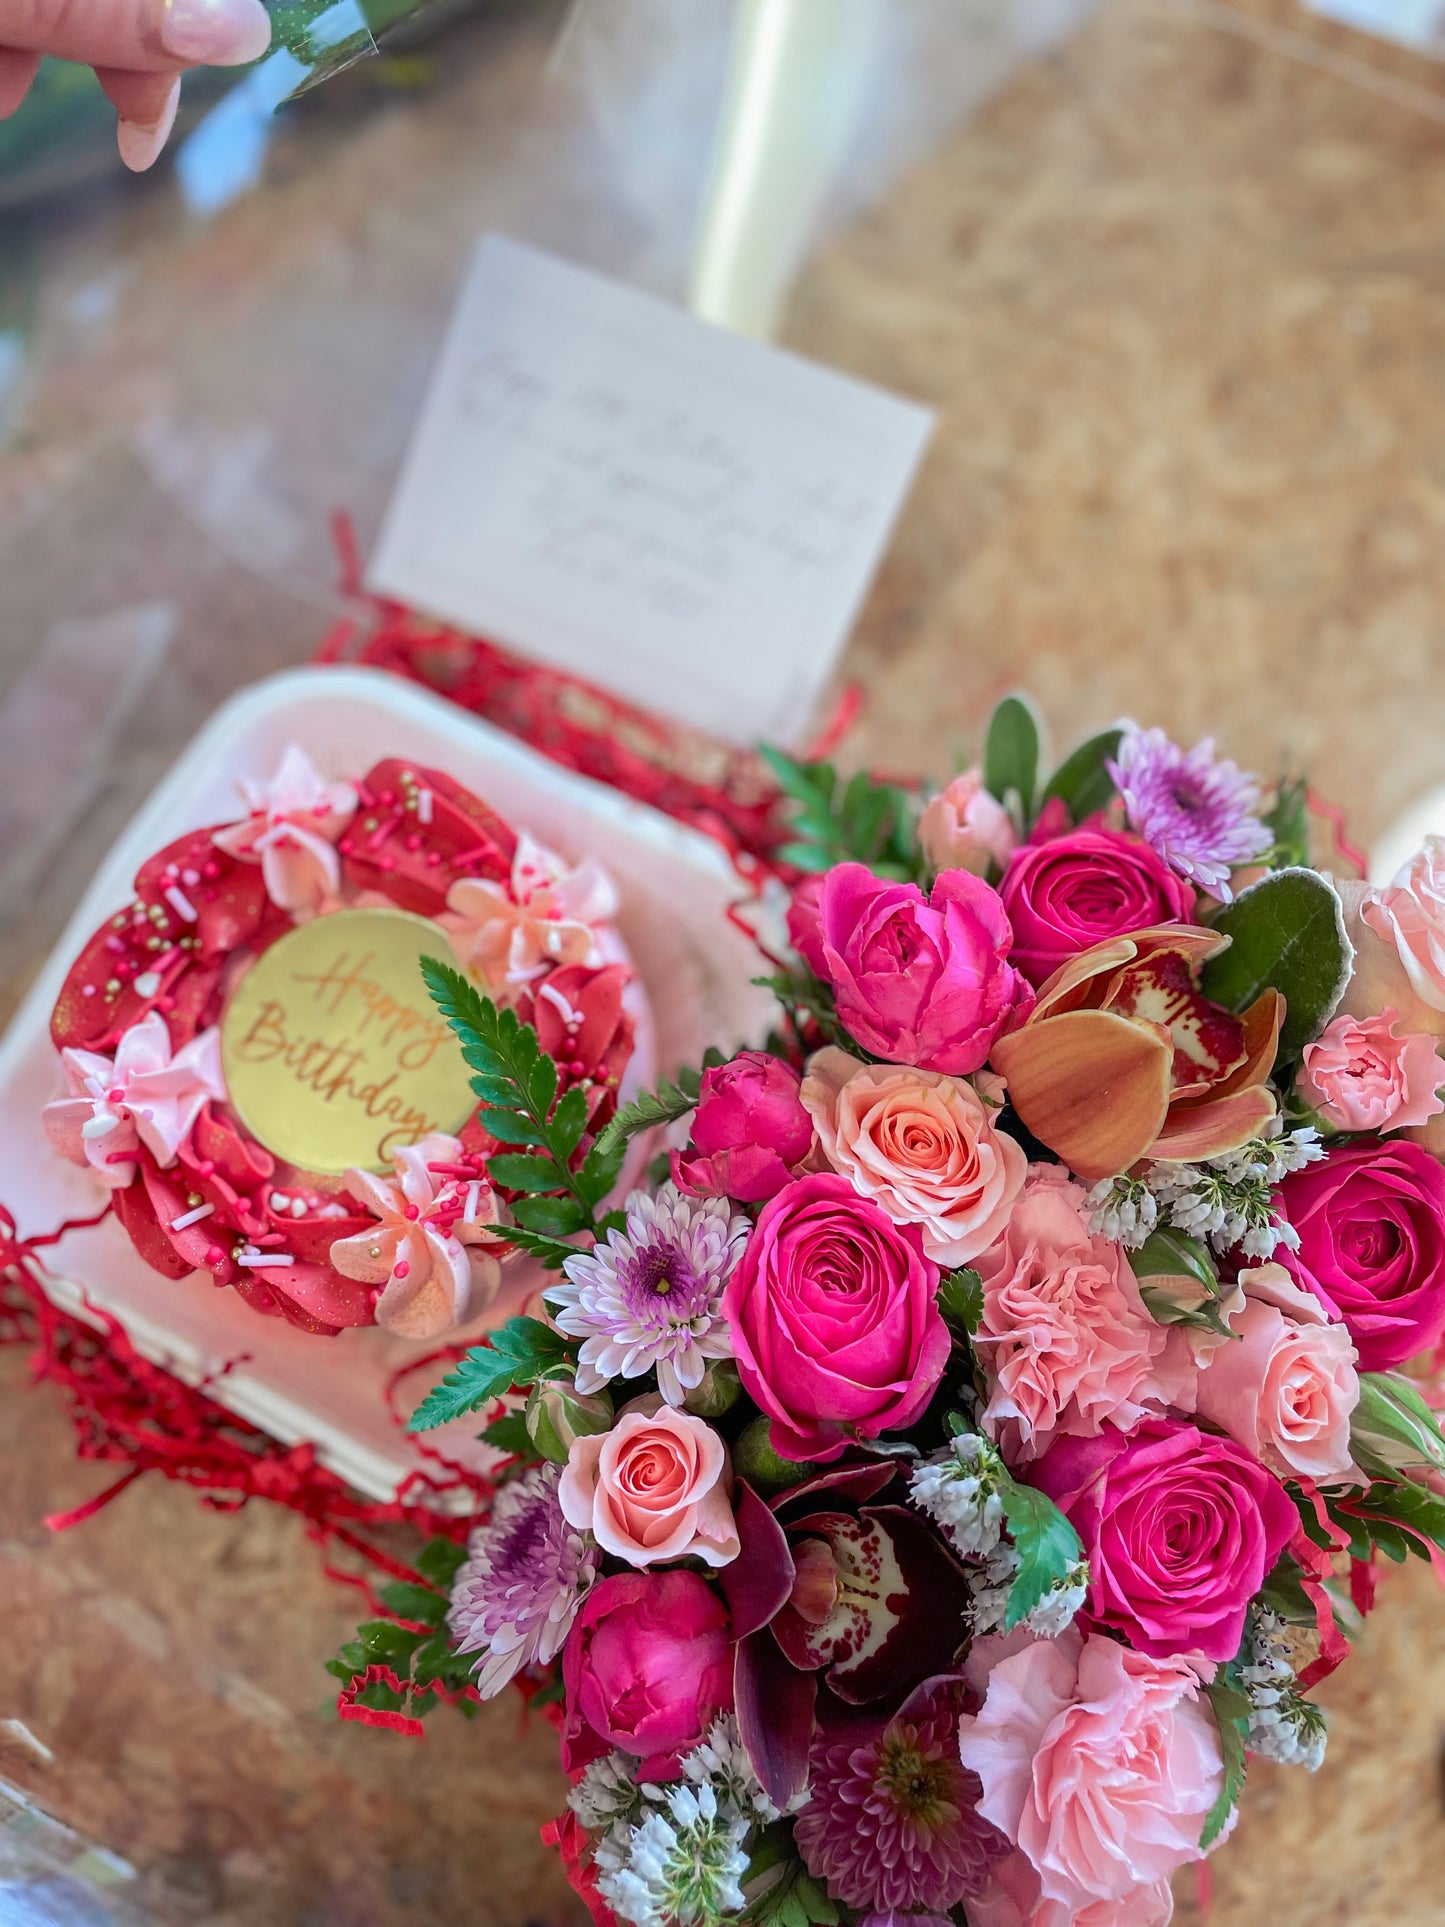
<point x="139" y="50"/>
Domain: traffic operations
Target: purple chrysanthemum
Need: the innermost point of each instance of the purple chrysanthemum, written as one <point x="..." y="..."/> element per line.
<point x="650" y="1297"/>
<point x="893" y="1823"/>
<point x="525" y="1574"/>
<point x="1199" y="812"/>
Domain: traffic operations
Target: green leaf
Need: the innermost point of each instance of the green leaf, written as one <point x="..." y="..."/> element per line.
<point x="1011" y="753"/>
<point x="557" y="1217"/>
<point x="1392" y="1429"/>
<point x="1283" y="1593"/>
<point x="662" y="1106"/>
<point x="1082" y="781"/>
<point x="547" y="1249"/>
<point x="509" y="1434"/>
<point x="520" y="1171"/>
<point x="866" y="822"/>
<point x="960" y="1299"/>
<point x="1289" y="822"/>
<point x="1178" y="1282"/>
<point x="600" y="1172"/>
<point x="439" y="1562"/>
<point x="1047" y="1546"/>
<point x="1231" y="1713"/>
<point x="569" y="1122"/>
<point x="414" y="1602"/>
<point x="779" y="1890"/>
<point x="512" y="1127"/>
<point x="1411" y="1508"/>
<point x="1287" y="931"/>
<point x="517" y="1355"/>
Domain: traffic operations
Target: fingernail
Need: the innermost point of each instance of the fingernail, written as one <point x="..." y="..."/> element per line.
<point x="139" y="144"/>
<point x="215" y="33"/>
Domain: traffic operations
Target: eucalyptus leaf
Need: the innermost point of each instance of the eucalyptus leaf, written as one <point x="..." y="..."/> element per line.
<point x="1011" y="753"/>
<point x="1082" y="781"/>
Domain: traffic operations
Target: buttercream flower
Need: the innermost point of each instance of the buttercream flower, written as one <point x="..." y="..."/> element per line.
<point x="653" y="1488"/>
<point x="891" y="1821"/>
<point x="1285" y="1389"/>
<point x="431" y="1248"/>
<point x="294" y="822"/>
<point x="1199" y="812"/>
<point x="650" y="1297"/>
<point x="965" y="828"/>
<point x="1065" y="1340"/>
<point x="1100" y="1764"/>
<point x="1125" y="1058"/>
<point x="144" y="1095"/>
<point x="917" y="980"/>
<point x="921" y="1145"/>
<point x="507" y="934"/>
<point x="1363" y="1075"/>
<point x="648" y="1668"/>
<point x="1068" y="893"/>
<point x="750" y="1131"/>
<point x="835" y="1329"/>
<point x="1179" y="1529"/>
<point x="1370" y="1219"/>
<point x="1409" y="912"/>
<point x="526" y="1571"/>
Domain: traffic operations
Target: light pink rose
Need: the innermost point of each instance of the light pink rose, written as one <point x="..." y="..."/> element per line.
<point x="1100" y="1765"/>
<point x="1286" y="1387"/>
<point x="142" y="1096"/>
<point x="1362" y="1075"/>
<point x="295" y="820"/>
<point x="1410" y="913"/>
<point x="1013" y="1898"/>
<point x="1065" y="1339"/>
<point x="653" y="1488"/>
<point x="964" y="828"/>
<point x="921" y="1145"/>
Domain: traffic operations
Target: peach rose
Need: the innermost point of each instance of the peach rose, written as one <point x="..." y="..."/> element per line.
<point x="921" y="1145"/>
<point x="1065" y="1339"/>
<point x="1380" y="981"/>
<point x="964" y="828"/>
<point x="1100" y="1765"/>
<point x="1362" y="1075"/>
<point x="1286" y="1388"/>
<point x="1410" y="913"/>
<point x="653" y="1488"/>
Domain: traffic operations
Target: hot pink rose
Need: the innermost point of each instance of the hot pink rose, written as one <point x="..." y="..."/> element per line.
<point x="1362" y="1075"/>
<point x="1100" y="1764"/>
<point x="749" y="1132"/>
<point x="647" y="1667"/>
<point x="964" y="828"/>
<point x="1065" y="1339"/>
<point x="917" y="980"/>
<point x="835" y="1329"/>
<point x="1180" y="1529"/>
<point x="1070" y="892"/>
<point x="1371" y="1225"/>
<point x="1286" y="1386"/>
<point x="1410" y="914"/>
<point x="921" y="1145"/>
<point x="653" y="1488"/>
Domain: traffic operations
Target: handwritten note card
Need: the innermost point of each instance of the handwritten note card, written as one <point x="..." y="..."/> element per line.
<point x="602" y="482"/>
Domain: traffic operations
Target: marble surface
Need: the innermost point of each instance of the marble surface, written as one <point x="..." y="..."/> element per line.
<point x="1178" y="301"/>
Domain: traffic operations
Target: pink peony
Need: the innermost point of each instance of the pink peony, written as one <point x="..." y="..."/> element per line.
<point x="1410" y="914"/>
<point x="1065" y="1340"/>
<point x="1067" y="894"/>
<point x="1180" y="1529"/>
<point x="917" y="980"/>
<point x="1371" y="1225"/>
<point x="1100" y="1765"/>
<point x="835" y="1329"/>
<point x="294" y="823"/>
<point x="749" y="1131"/>
<point x="1286" y="1387"/>
<point x="964" y="828"/>
<point x="142" y="1096"/>
<point x="1362" y="1075"/>
<point x="653" y="1488"/>
<point x="648" y="1667"/>
<point x="921" y="1145"/>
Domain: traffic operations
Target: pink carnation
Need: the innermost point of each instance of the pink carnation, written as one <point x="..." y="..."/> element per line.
<point x="964" y="828"/>
<point x="1065" y="1338"/>
<point x="1100" y="1765"/>
<point x="921" y="1145"/>
<point x="1285" y="1387"/>
<point x="1362" y="1075"/>
<point x="1013" y="1898"/>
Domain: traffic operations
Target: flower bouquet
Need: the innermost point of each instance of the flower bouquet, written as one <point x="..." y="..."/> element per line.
<point x="974" y="1442"/>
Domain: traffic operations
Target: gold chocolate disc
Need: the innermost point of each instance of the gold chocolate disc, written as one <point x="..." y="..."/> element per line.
<point x="334" y="1054"/>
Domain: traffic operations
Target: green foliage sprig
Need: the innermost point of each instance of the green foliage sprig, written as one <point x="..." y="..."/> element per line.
<point x="419" y="1652"/>
<point x="860" y="821"/>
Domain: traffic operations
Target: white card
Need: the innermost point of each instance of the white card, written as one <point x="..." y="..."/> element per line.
<point x="606" y="484"/>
